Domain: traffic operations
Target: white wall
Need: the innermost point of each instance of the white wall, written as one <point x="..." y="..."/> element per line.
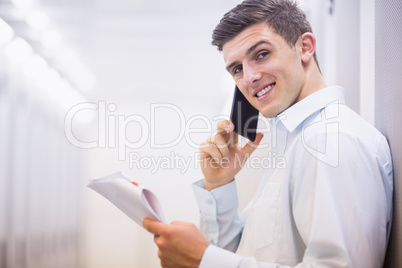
<point x="341" y="43"/>
<point x="367" y="60"/>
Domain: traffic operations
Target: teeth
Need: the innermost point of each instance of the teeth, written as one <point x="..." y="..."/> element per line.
<point x="265" y="90"/>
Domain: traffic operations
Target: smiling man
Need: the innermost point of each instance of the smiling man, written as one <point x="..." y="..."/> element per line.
<point x="331" y="206"/>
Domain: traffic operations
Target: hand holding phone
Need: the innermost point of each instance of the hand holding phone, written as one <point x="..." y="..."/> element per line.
<point x="221" y="158"/>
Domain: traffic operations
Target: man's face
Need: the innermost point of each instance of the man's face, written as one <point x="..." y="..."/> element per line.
<point x="266" y="69"/>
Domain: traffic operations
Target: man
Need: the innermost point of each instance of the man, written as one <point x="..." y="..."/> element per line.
<point x="331" y="205"/>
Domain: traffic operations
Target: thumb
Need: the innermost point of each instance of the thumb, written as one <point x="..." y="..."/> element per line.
<point x="250" y="147"/>
<point x="152" y="226"/>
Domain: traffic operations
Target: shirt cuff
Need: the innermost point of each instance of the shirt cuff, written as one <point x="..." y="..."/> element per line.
<point x="215" y="257"/>
<point x="224" y="198"/>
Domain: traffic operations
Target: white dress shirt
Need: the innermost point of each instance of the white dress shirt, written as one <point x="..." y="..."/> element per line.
<point x="330" y="205"/>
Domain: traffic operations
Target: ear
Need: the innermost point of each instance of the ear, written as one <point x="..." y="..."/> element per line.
<point x="307" y="42"/>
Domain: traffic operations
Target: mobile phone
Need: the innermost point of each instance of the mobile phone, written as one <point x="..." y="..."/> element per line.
<point x="244" y="116"/>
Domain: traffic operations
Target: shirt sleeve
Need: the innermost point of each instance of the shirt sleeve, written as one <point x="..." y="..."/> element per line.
<point x="384" y="160"/>
<point x="219" y="215"/>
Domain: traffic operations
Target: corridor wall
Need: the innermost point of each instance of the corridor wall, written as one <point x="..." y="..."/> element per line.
<point x="388" y="108"/>
<point x="39" y="173"/>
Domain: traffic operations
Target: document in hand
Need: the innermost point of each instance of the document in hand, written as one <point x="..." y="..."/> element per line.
<point x="134" y="200"/>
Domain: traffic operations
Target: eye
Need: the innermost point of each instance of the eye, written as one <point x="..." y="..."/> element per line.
<point x="262" y="55"/>
<point x="237" y="69"/>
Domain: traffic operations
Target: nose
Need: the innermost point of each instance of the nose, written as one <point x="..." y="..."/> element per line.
<point x="251" y="74"/>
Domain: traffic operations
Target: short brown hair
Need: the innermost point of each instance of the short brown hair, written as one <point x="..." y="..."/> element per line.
<point x="283" y="16"/>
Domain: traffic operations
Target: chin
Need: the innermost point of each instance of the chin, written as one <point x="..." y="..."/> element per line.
<point x="267" y="112"/>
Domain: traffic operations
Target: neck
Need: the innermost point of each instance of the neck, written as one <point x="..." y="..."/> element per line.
<point x="314" y="81"/>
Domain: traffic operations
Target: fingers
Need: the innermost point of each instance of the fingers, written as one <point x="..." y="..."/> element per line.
<point x="152" y="226"/>
<point x="225" y="126"/>
<point x="250" y="146"/>
<point x="218" y="146"/>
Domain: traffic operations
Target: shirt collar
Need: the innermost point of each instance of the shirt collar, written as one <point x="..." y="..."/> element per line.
<point x="298" y="112"/>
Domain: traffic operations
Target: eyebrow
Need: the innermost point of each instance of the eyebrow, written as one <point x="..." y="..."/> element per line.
<point x="249" y="51"/>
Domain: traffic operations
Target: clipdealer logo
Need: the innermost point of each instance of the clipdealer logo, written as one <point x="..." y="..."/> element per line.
<point x="112" y="128"/>
<point x="112" y="133"/>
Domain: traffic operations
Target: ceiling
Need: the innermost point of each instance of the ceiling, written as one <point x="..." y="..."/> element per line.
<point x="135" y="49"/>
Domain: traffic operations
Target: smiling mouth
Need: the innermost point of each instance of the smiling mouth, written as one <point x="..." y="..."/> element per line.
<point x="264" y="90"/>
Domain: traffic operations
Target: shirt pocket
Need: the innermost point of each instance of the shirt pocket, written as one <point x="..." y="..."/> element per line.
<point x="264" y="216"/>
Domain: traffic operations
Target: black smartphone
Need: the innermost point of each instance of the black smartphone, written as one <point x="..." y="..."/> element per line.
<point x="244" y="116"/>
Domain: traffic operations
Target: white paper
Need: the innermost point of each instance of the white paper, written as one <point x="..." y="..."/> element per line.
<point x="135" y="201"/>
